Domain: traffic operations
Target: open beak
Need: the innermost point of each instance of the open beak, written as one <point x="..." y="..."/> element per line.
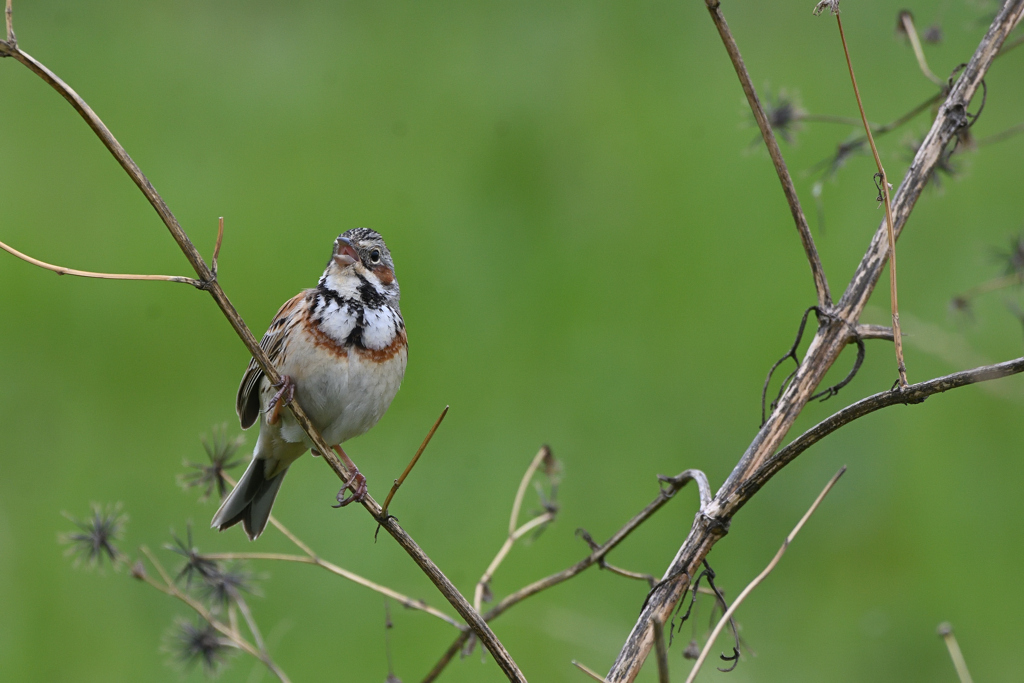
<point x="344" y="252"/>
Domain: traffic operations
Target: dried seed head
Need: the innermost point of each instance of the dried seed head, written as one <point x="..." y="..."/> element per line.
<point x="832" y="5"/>
<point x="95" y="541"/>
<point x="191" y="644"/>
<point x="219" y="451"/>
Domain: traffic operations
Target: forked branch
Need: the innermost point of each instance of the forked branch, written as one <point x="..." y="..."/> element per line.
<point x="817" y="271"/>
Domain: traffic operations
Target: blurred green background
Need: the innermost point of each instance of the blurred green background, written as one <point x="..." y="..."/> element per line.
<point x="592" y="253"/>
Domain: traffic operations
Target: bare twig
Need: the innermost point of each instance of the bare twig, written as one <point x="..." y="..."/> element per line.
<point x="915" y="393"/>
<point x="884" y="193"/>
<point x="412" y="463"/>
<point x="818" y="272"/>
<point x="999" y="137"/>
<point x="168" y="587"/>
<point x="543" y="454"/>
<point x="874" y="332"/>
<point x="12" y="40"/>
<point x="210" y="284"/>
<point x="670" y="486"/>
<point x="992" y="285"/>
<point x="481" y="585"/>
<point x="404" y="600"/>
<point x="759" y="578"/>
<point x="826" y="118"/>
<point x="831" y="337"/>
<point x="662" y="651"/>
<point x="946" y="633"/>
<point x="906" y="24"/>
<point x="61" y="270"/>
<point x="590" y="672"/>
<point x="216" y="247"/>
<point x="515" y="532"/>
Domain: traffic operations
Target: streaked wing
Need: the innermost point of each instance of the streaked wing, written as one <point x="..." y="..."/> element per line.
<point x="248" y="402"/>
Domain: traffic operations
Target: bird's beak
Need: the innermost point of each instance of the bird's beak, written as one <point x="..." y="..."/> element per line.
<point x="344" y="252"/>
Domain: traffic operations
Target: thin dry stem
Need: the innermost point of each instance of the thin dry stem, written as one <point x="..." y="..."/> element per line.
<point x="760" y="577"/>
<point x="992" y="285"/>
<point x="230" y="631"/>
<point x="12" y="40"/>
<point x="897" y="336"/>
<point x="999" y="137"/>
<point x="404" y="600"/>
<point x="61" y="270"/>
<point x="412" y="463"/>
<point x="250" y="621"/>
<point x="216" y="247"/>
<point x="811" y="251"/>
<point x="874" y="332"/>
<point x="481" y="585"/>
<point x="524" y="484"/>
<point x="590" y="672"/>
<point x="946" y="631"/>
<point x="639" y="576"/>
<point x="907" y="21"/>
<point x="661" y="650"/>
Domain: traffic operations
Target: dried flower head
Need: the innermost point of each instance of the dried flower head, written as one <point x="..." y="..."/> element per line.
<point x="932" y="34"/>
<point x="832" y="5"/>
<point x="95" y="540"/>
<point x="219" y="584"/>
<point x="219" y="451"/>
<point x="196" y="566"/>
<point x="1013" y="258"/>
<point x="191" y="644"/>
<point x="226" y="585"/>
<point x="784" y="114"/>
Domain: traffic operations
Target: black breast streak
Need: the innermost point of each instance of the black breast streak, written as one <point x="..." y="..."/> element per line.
<point x="369" y="295"/>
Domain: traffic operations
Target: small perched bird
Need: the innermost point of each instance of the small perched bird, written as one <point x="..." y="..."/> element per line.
<point x="341" y="350"/>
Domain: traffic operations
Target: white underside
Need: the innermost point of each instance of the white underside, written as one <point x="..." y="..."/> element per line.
<point x="344" y="397"/>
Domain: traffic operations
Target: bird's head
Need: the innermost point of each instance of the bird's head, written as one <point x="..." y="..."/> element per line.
<point x="361" y="266"/>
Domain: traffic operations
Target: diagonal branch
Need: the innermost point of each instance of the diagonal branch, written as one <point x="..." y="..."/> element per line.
<point x="390" y="524"/>
<point x="832" y="336"/>
<point x="820" y="282"/>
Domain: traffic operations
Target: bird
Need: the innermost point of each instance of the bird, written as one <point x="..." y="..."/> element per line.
<point x="341" y="349"/>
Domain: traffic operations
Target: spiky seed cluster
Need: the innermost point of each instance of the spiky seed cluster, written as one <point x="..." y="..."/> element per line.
<point x="784" y="114"/>
<point x="191" y="644"/>
<point x="219" y="452"/>
<point x="1013" y="258"/>
<point x="218" y="583"/>
<point x="95" y="541"/>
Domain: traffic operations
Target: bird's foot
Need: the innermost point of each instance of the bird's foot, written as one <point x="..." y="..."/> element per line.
<point x="357" y="482"/>
<point x="285" y="394"/>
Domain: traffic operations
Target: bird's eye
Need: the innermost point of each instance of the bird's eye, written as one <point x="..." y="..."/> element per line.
<point x="375" y="256"/>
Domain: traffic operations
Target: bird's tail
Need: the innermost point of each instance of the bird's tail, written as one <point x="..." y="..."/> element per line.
<point x="250" y="501"/>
